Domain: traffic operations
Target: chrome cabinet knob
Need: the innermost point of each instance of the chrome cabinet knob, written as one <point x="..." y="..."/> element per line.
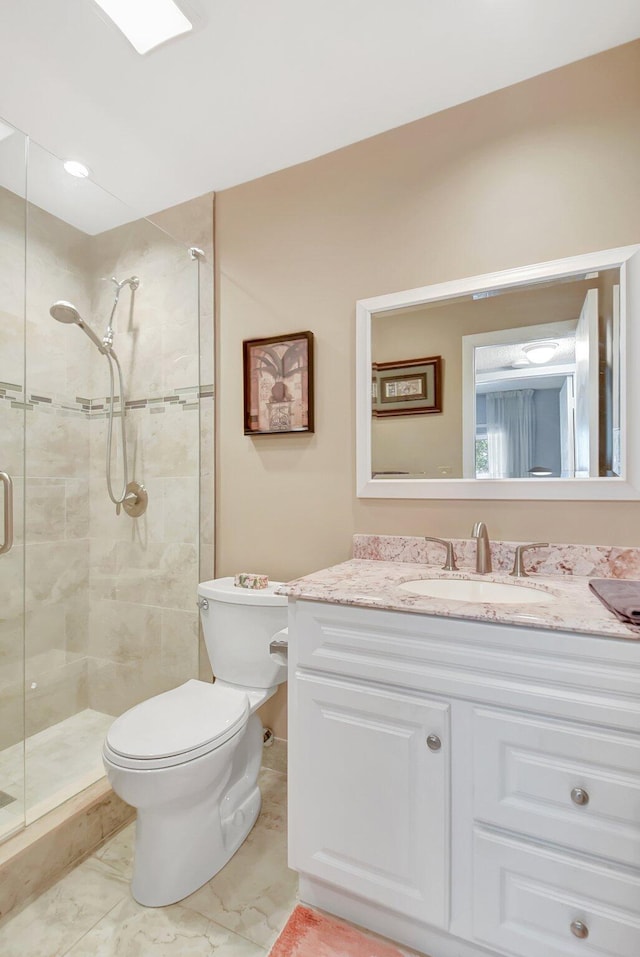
<point x="433" y="742"/>
<point x="580" y="796"/>
<point x="579" y="929"/>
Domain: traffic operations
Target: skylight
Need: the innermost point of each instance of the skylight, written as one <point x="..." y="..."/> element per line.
<point x="146" y="23"/>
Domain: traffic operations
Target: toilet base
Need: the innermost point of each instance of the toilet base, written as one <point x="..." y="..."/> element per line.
<point x="187" y="866"/>
<point x="183" y="843"/>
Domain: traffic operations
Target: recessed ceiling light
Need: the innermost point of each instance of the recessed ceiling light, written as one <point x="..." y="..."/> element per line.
<point x="146" y="25"/>
<point x="540" y="352"/>
<point x="74" y="168"/>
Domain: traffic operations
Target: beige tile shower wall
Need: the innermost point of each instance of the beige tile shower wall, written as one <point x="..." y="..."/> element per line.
<point x="540" y="170"/>
<point x="192" y="222"/>
<point x="144" y="572"/>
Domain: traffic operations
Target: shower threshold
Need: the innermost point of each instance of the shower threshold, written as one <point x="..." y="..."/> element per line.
<point x="60" y="762"/>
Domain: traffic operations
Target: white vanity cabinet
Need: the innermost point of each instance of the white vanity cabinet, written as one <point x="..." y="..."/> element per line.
<point x="466" y="788"/>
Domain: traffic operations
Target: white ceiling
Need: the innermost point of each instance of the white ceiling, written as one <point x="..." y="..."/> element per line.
<point x="260" y="85"/>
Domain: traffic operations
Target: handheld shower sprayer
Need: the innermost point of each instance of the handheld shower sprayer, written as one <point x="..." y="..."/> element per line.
<point x="63" y="311"/>
<point x="132" y="495"/>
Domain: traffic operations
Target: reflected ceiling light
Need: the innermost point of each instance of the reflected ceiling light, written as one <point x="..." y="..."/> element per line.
<point x="540" y="352"/>
<point x="146" y="25"/>
<point x="74" y="168"/>
<point x="5" y="131"/>
<point x="539" y="470"/>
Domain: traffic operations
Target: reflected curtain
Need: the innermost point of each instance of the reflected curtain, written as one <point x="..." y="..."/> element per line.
<point x="510" y="433"/>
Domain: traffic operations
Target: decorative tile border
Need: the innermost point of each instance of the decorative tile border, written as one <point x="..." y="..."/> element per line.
<point x="187" y="398"/>
<point x="599" y="561"/>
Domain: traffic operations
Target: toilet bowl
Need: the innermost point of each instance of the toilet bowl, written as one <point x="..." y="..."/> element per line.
<point x="188" y="759"/>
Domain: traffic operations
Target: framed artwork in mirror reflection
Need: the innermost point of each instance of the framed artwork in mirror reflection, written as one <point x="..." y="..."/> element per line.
<point x="278" y="384"/>
<point x="407" y="387"/>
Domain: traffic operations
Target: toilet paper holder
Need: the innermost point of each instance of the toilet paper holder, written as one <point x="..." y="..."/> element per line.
<point x="279" y="646"/>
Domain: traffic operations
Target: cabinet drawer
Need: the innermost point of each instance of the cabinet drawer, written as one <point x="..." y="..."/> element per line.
<point x="573" y="785"/>
<point x="528" y="899"/>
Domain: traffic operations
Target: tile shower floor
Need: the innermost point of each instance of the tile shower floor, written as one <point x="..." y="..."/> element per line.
<point x="61" y="761"/>
<point x="239" y="913"/>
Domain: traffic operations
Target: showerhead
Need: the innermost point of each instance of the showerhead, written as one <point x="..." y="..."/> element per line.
<point x="64" y="311"/>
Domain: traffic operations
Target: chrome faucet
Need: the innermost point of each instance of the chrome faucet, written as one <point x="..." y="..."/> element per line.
<point x="483" y="548"/>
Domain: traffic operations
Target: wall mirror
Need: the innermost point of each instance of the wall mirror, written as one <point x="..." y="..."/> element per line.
<point x="520" y="384"/>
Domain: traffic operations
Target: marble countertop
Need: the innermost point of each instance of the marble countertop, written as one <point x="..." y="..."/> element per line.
<point x="374" y="584"/>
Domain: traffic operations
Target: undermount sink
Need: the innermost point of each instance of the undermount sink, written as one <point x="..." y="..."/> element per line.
<point x="489" y="592"/>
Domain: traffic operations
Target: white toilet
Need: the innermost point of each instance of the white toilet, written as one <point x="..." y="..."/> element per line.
<point x="188" y="759"/>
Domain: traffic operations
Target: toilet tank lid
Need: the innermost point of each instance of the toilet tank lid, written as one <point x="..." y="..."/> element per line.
<point x="223" y="589"/>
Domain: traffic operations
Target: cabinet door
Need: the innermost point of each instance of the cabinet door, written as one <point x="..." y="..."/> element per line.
<point x="369" y="797"/>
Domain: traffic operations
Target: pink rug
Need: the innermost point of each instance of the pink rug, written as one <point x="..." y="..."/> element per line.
<point x="309" y="934"/>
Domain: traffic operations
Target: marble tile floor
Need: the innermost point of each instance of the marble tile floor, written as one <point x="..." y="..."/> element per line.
<point x="239" y="913"/>
<point x="60" y="761"/>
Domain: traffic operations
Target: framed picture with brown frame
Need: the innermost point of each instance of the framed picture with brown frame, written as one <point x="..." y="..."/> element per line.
<point x="407" y="387"/>
<point x="278" y="384"/>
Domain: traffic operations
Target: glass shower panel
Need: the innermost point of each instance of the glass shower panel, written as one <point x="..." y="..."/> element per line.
<point x="110" y="617"/>
<point x="62" y="748"/>
<point x="13" y="146"/>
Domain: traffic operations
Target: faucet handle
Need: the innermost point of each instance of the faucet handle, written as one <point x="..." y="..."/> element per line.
<point x="519" y="570"/>
<point x="450" y="560"/>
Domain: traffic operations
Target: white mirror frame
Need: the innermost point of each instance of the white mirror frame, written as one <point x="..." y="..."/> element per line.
<point x="626" y="487"/>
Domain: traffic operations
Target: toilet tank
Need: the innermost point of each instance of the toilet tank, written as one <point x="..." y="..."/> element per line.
<point x="238" y="626"/>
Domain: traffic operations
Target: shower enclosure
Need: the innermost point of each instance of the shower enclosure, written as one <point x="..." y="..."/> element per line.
<point x="97" y="606"/>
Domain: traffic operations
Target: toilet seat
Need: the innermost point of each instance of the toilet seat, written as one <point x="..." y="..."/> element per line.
<point x="177" y="726"/>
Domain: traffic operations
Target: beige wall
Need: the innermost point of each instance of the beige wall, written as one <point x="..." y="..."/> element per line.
<point x="543" y="169"/>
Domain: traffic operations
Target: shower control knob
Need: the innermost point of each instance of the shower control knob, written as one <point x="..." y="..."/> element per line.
<point x="433" y="742"/>
<point x="136" y="500"/>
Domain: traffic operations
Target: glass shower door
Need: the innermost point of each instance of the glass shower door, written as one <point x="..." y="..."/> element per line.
<point x="12" y="476"/>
